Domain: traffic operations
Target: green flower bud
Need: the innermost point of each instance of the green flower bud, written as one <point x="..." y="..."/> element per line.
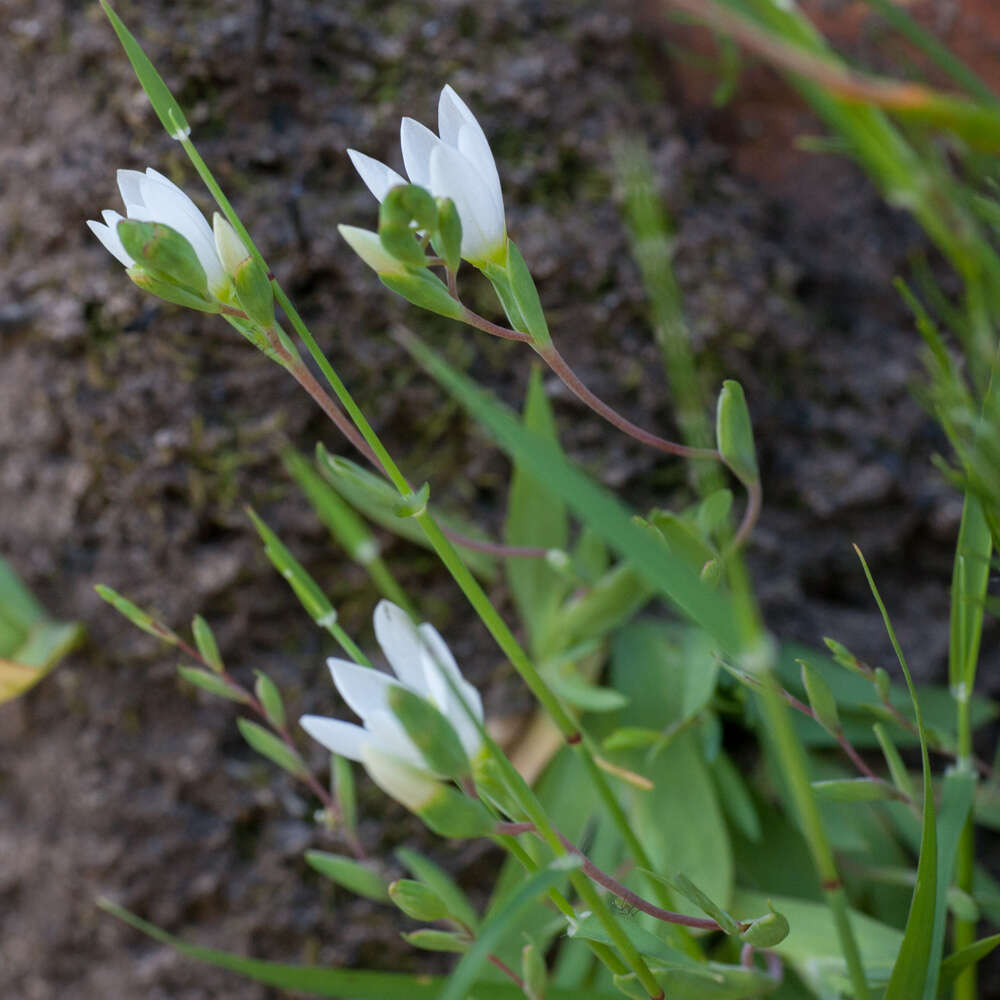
<point x="418" y="900"/>
<point x="434" y="940"/>
<point x="399" y="241"/>
<point x="253" y="289"/>
<point x="164" y="254"/>
<point x="766" y="931"/>
<point x="406" y="204"/>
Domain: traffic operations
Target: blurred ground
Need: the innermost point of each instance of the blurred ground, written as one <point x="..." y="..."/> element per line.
<point x="131" y="435"/>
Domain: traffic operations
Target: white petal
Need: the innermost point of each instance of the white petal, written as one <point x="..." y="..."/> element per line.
<point x="406" y="784"/>
<point x="163" y="201"/>
<point x="363" y="688"/>
<point x="343" y="738"/>
<point x="379" y="178"/>
<point x="459" y="128"/>
<point x="387" y="734"/>
<point x="368" y="247"/>
<point x="108" y="235"/>
<point x="400" y="641"/>
<point x="229" y="247"/>
<point x="453" y="176"/>
<point x="452" y="694"/>
<point x="418" y="142"/>
<point x="129" y="183"/>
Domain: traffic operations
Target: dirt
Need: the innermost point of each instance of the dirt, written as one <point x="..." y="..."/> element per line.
<point x="132" y="434"/>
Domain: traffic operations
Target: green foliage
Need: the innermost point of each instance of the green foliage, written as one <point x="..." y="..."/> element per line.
<point x="349" y="874"/>
<point x="270" y="746"/>
<point x="214" y="684"/>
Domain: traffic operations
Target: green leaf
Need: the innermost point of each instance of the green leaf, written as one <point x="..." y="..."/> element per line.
<point x="734" y="432"/>
<point x="592" y="503"/>
<point x="17" y="605"/>
<point x="311" y="597"/>
<point x="821" y="698"/>
<point x="136" y="615"/>
<point x="579" y="692"/>
<point x="631" y="738"/>
<point x="648" y="944"/>
<point x="359" y="984"/>
<point x="705" y="903"/>
<point x="214" y="684"/>
<point x="418" y="900"/>
<point x="350" y="874"/>
<point x="434" y="940"/>
<point x="425" y="290"/>
<point x="268" y="745"/>
<point x="854" y="790"/>
<point x="167" y="109"/>
<point x="441" y="883"/>
<point x="958" y="961"/>
<point x="536" y="517"/>
<point x="204" y="639"/>
<point x="767" y="931"/>
<point x="968" y="594"/>
<point x="270" y="698"/>
<point x="522" y="287"/>
<point x="912" y="975"/>
<point x="375" y="499"/>
<point x="900" y="775"/>
<point x="600" y="609"/>
<point x="500" y="923"/>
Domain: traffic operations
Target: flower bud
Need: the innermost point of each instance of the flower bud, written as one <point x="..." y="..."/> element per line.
<point x="766" y="931"/>
<point x="253" y="289"/>
<point x="368" y="247"/>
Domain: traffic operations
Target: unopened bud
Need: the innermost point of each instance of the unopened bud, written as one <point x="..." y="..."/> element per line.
<point x="164" y="254"/>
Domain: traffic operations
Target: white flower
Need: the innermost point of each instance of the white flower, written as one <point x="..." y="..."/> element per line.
<point x="457" y="165"/>
<point x="150" y="197"/>
<point x="424" y="664"/>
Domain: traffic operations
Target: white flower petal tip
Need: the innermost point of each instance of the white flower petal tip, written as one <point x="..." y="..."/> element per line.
<point x="458" y="164"/>
<point x="424" y="665"/>
<point x="368" y="247"/>
<point x="151" y="197"/>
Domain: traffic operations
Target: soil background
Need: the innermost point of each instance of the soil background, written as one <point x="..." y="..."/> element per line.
<point x="132" y="433"/>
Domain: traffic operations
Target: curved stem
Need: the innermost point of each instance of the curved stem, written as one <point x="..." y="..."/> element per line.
<point x="558" y="364"/>
<point x="615" y="887"/>
<point x="755" y="499"/>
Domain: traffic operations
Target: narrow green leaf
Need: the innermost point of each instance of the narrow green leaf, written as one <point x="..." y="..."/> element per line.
<point x="593" y="504"/>
<point x="442" y="883"/>
<point x="268" y="745"/>
<point x="418" y="900"/>
<point x="705" y="903"/>
<point x="136" y="615"/>
<point x="350" y="874"/>
<point x="424" y="290"/>
<point x="631" y="738"/>
<point x="968" y="594"/>
<point x="167" y="109"/>
<point x="17" y="604"/>
<point x="433" y="940"/>
<point x="958" y="961"/>
<point x="214" y="684"/>
<point x="854" y="790"/>
<point x="522" y="287"/>
<point x="912" y="975"/>
<point x="821" y="698"/>
<point x="900" y="776"/>
<point x="590" y="697"/>
<point x="270" y="698"/>
<point x="204" y="639"/>
<point x="734" y="432"/>
<point x="359" y="984"/>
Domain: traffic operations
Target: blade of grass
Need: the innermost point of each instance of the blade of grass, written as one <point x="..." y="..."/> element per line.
<point x="912" y="975"/>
